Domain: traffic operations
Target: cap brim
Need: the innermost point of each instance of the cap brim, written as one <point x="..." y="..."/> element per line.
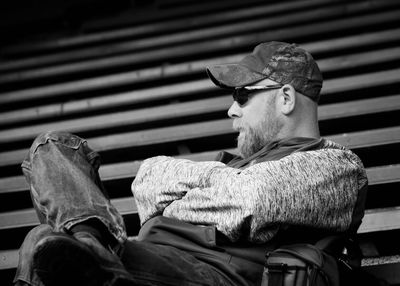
<point x="233" y="75"/>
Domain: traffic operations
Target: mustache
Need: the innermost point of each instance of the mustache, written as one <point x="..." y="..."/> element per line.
<point x="237" y="125"/>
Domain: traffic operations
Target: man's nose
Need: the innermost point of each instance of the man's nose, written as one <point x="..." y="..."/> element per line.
<point x="235" y="111"/>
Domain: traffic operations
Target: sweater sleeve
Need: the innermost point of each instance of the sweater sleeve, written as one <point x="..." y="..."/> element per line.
<point x="162" y="180"/>
<point x="313" y="188"/>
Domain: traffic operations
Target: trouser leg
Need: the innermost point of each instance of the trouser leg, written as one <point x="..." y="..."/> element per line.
<point x="62" y="172"/>
<point x="25" y="274"/>
<point x="162" y="265"/>
<point x="148" y="263"/>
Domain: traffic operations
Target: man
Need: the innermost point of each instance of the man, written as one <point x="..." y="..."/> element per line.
<point x="203" y="223"/>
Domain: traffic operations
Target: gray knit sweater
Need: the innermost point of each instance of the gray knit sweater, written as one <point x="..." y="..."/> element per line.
<point x="312" y="188"/>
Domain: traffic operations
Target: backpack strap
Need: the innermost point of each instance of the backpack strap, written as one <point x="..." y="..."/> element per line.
<point x="276" y="274"/>
<point x="278" y="271"/>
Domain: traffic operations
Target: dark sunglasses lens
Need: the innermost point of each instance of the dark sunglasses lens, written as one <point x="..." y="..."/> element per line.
<point x="241" y="95"/>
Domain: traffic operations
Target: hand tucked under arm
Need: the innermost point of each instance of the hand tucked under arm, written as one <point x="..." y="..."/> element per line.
<point x="162" y="180"/>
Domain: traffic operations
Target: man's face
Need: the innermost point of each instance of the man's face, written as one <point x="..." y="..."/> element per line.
<point x="257" y="120"/>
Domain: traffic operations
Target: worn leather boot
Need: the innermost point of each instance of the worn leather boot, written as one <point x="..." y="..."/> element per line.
<point x="78" y="259"/>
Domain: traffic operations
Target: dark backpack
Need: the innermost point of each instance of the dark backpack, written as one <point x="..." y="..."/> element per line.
<point x="300" y="265"/>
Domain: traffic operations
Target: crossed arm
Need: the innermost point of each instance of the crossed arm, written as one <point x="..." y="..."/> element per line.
<point x="313" y="188"/>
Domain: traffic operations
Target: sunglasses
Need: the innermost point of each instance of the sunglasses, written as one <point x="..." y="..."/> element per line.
<point x="242" y="94"/>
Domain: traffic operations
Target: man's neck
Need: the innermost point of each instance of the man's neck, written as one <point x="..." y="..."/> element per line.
<point x="304" y="130"/>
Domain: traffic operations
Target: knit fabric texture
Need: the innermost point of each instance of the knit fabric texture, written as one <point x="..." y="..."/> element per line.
<point x="312" y="188"/>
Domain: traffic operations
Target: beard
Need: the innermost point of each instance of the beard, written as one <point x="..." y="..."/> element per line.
<point x="253" y="139"/>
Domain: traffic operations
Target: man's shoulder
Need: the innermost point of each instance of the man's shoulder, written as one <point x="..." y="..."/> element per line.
<point x="333" y="156"/>
<point x="330" y="146"/>
<point x="333" y="150"/>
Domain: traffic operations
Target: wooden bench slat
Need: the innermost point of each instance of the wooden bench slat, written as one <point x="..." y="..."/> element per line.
<point x="8" y="259"/>
<point x="359" y="107"/>
<point x="337" y="85"/>
<point x="13" y="184"/>
<point x="363" y="39"/>
<point x="380" y="220"/>
<point x="368" y="138"/>
<point x="359" y="59"/>
<point x="146" y="30"/>
<point x="380" y="260"/>
<point x="354" y="140"/>
<point x="215" y="45"/>
<point x="383" y="174"/>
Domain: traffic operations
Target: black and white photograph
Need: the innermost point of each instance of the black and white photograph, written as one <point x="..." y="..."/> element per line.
<point x="200" y="143"/>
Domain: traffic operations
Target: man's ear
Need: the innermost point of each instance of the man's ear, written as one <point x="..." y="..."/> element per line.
<point x="288" y="99"/>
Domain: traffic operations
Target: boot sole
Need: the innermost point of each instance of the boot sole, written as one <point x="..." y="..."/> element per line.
<point x="63" y="261"/>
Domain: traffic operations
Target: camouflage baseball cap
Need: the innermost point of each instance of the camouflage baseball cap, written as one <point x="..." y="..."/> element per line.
<point x="281" y="62"/>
